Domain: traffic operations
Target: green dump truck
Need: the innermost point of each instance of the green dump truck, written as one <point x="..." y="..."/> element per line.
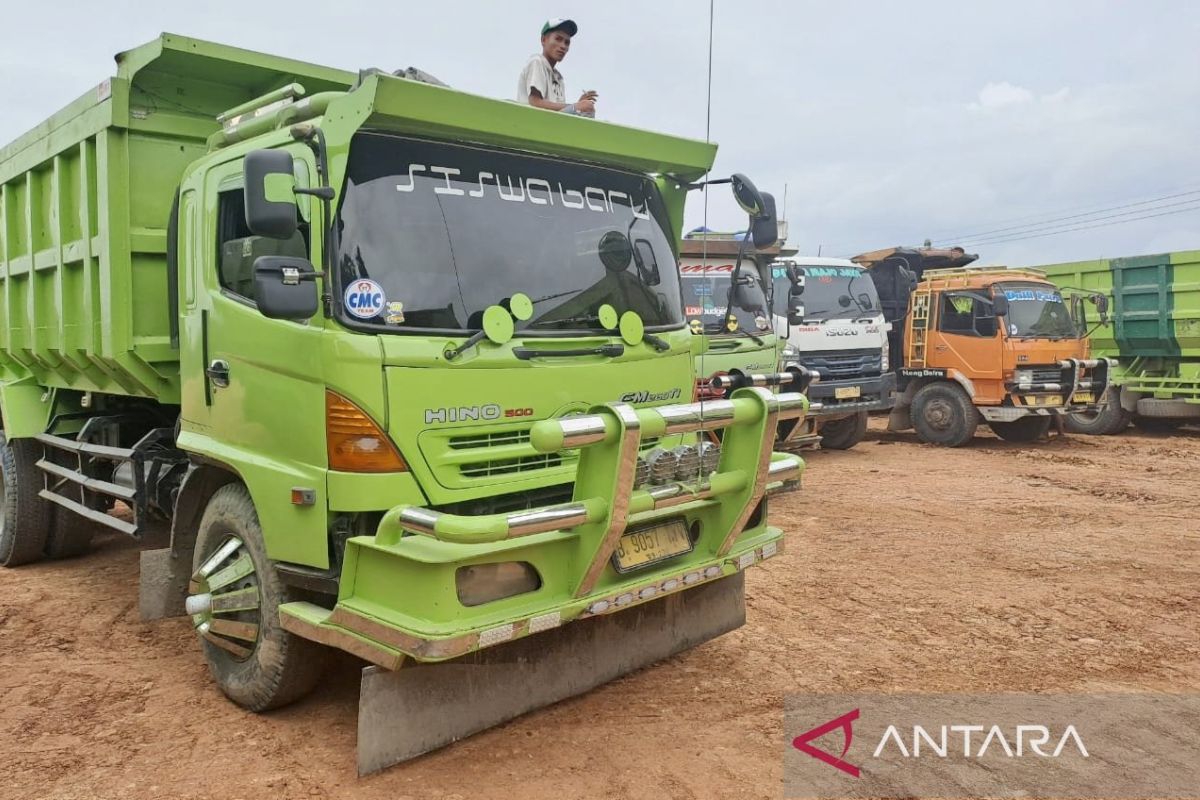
<point x="369" y="363"/>
<point x="1154" y="336"/>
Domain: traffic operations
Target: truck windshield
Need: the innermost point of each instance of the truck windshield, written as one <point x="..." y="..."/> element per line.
<point x="829" y="293"/>
<point x="431" y="234"/>
<point x="1036" y="311"/>
<point x="706" y="289"/>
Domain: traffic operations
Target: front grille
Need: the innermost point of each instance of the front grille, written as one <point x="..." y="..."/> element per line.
<point x="488" y="439"/>
<point x="1046" y="374"/>
<point x="479" y="465"/>
<point x="509" y="466"/>
<point x="844" y="363"/>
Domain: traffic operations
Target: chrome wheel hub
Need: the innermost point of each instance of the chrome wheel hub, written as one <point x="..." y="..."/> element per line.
<point x="224" y="599"/>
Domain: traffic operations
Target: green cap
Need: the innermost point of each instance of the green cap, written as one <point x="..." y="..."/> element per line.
<point x="567" y="25"/>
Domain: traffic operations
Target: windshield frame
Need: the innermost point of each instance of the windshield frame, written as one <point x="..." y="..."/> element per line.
<point x="1004" y="286"/>
<point x="707" y="270"/>
<point x="337" y="285"/>
<point x="852" y="311"/>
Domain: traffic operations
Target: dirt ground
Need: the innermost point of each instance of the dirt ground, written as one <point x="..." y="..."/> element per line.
<point x="1067" y="565"/>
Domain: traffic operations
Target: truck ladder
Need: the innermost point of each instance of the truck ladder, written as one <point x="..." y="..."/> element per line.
<point x="920" y="327"/>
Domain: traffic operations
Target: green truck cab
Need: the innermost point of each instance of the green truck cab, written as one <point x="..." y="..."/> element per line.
<point x="1149" y="328"/>
<point x="739" y="337"/>
<point x="374" y="363"/>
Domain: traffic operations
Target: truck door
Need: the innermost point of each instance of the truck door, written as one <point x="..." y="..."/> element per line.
<point x="968" y="336"/>
<point x="254" y="390"/>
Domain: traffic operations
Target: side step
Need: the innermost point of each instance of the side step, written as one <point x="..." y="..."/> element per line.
<point x="422" y="707"/>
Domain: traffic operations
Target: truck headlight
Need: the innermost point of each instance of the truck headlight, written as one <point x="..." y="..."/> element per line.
<point x="884" y="362"/>
<point x="1023" y="376"/>
<point x="791" y="353"/>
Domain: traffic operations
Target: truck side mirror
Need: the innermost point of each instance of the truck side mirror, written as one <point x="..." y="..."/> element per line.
<point x="796" y="304"/>
<point x="747" y="195"/>
<point x="1101" y="302"/>
<point x="647" y="262"/>
<point x="796" y="278"/>
<point x="270" y="183"/>
<point x="1000" y="305"/>
<point x="285" y="288"/>
<point x="764" y="228"/>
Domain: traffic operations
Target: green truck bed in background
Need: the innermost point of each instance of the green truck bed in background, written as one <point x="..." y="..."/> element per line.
<point x="1154" y="332"/>
<point x="84" y="201"/>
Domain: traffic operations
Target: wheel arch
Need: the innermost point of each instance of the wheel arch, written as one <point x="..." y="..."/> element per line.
<point x="201" y="482"/>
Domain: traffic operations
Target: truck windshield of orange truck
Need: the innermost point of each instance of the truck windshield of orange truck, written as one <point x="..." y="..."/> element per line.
<point x="1036" y="311"/>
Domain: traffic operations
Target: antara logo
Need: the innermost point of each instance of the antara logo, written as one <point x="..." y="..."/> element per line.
<point x="941" y="741"/>
<point x="649" y="397"/>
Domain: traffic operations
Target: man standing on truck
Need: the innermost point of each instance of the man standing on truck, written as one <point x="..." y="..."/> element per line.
<point x="542" y="85"/>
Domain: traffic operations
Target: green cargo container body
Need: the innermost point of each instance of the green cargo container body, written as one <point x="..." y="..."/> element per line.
<point x="84" y="202"/>
<point x="1155" y="327"/>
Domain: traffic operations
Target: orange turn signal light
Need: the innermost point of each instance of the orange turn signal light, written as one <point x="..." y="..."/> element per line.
<point x="355" y="442"/>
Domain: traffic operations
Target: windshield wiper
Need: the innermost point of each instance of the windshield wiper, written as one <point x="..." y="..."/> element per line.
<point x="607" y="350"/>
<point x="584" y="318"/>
<point x="739" y="331"/>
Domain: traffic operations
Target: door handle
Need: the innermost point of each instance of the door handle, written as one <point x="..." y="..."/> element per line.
<point x="218" y="372"/>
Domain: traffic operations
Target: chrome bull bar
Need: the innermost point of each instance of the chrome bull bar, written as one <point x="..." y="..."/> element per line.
<point x="608" y="439"/>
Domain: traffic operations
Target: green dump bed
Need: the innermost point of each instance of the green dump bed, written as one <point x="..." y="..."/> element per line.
<point x="84" y="202"/>
<point x="1155" y="302"/>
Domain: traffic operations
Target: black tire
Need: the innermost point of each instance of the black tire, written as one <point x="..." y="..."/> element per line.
<point x="278" y="667"/>
<point x="25" y="517"/>
<point x="1156" y="424"/>
<point x="70" y="535"/>
<point x="1109" y="420"/>
<point x="842" y="434"/>
<point x="943" y="414"/>
<point x="1025" y="429"/>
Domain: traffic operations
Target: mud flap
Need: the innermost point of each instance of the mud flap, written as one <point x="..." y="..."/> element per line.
<point x="422" y="707"/>
<point x="162" y="584"/>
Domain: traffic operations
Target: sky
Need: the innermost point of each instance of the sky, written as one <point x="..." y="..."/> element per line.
<point x="986" y="124"/>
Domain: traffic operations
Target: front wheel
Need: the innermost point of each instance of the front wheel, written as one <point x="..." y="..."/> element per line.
<point x="842" y="434"/>
<point x="1025" y="429"/>
<point x="234" y="599"/>
<point x="943" y="414"/>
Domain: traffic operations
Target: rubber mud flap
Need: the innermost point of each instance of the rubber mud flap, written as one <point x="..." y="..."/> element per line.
<point x="422" y="707"/>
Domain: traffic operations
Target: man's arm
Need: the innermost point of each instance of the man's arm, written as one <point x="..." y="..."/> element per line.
<point x="586" y="104"/>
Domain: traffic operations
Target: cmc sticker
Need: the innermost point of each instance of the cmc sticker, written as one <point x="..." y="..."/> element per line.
<point x="365" y="298"/>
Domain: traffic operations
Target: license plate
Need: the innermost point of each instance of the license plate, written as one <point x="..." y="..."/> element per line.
<point x="847" y="392"/>
<point x="1085" y="397"/>
<point x="650" y="545"/>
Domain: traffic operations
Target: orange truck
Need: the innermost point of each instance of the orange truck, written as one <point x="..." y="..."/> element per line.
<point x="983" y="345"/>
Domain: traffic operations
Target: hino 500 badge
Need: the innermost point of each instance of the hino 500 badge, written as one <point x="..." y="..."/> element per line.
<point x="365" y="299"/>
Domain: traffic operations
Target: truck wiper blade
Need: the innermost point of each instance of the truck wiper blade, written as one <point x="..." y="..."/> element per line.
<point x="557" y="323"/>
<point x="607" y="350"/>
<point x="720" y="328"/>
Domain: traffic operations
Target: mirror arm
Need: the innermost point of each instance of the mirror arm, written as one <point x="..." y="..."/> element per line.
<point x="314" y="137"/>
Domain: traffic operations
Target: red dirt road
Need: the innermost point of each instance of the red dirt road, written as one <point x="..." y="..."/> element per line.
<point x="1068" y="565"/>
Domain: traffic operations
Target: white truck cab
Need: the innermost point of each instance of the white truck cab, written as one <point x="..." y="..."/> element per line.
<point x="841" y="335"/>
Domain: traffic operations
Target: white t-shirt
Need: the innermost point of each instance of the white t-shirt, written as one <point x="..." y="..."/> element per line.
<point x="541" y="75"/>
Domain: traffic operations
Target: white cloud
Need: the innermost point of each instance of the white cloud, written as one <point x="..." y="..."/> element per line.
<point x="999" y="95"/>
